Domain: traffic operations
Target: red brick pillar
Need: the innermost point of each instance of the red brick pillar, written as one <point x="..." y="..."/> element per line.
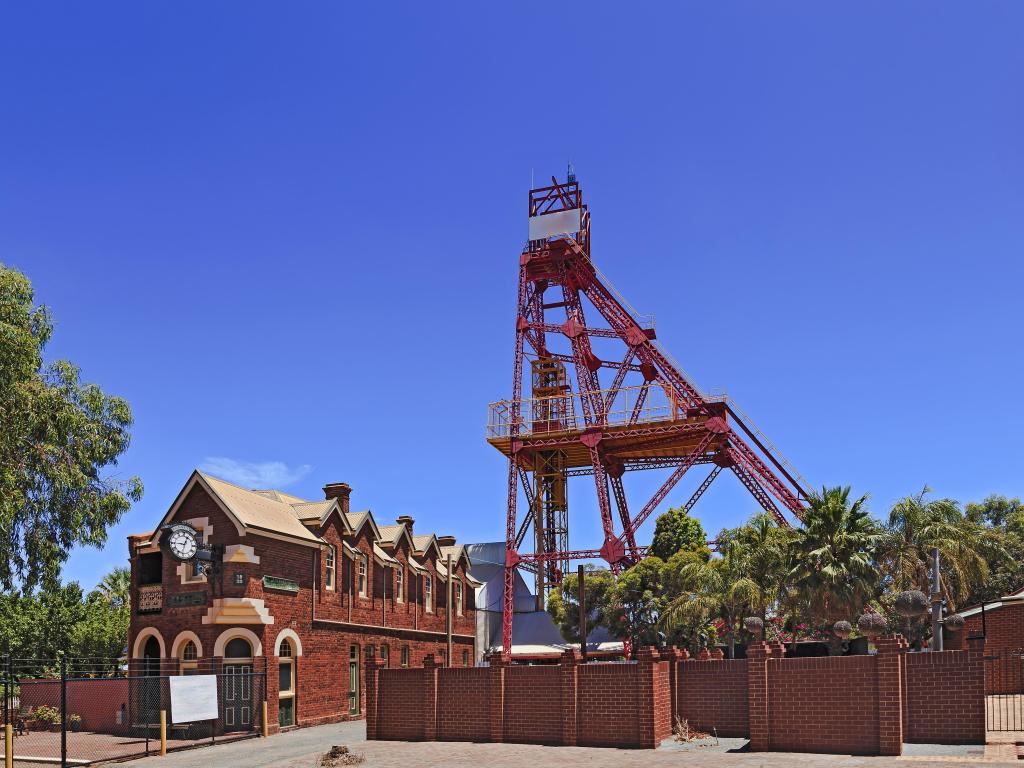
<point x="975" y="645"/>
<point x="372" y="678"/>
<point x="496" y="696"/>
<point x="758" y="655"/>
<point x="704" y="655"/>
<point x="429" y="673"/>
<point x="889" y="672"/>
<point x="654" y="705"/>
<point x="718" y="654"/>
<point x="567" y="668"/>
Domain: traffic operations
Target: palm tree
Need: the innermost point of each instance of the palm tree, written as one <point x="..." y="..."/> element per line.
<point x="116" y="587"/>
<point x="764" y="546"/>
<point x="916" y="526"/>
<point x="833" y="556"/>
<point x="713" y="588"/>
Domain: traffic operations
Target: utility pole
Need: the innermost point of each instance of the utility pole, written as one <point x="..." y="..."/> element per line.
<point x="936" y="602"/>
<point x="583" y="612"/>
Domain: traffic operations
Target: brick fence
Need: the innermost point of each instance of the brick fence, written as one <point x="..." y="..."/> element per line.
<point x="866" y="705"/>
<point x="626" y="704"/>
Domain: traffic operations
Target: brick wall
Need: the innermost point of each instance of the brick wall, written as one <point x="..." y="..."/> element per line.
<point x="603" y="704"/>
<point x="863" y="705"/>
<point x="463" y="704"/>
<point x="827" y="704"/>
<point x="532" y="705"/>
<point x="606" y="701"/>
<point x="1004" y="628"/>
<point x="712" y="696"/>
<point x="945" y="700"/>
<point x="97" y="701"/>
<point x="404" y="691"/>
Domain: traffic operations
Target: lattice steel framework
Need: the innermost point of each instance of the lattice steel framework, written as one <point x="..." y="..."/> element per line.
<point x="662" y="422"/>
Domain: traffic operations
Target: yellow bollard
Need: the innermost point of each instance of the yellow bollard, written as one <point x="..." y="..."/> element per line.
<point x="163" y="732"/>
<point x="266" y="725"/>
<point x="8" y="746"/>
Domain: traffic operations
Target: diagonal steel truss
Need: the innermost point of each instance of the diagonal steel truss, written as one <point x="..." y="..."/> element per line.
<point x="700" y="430"/>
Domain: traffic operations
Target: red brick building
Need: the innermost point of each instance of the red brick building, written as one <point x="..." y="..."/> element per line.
<point x="310" y="586"/>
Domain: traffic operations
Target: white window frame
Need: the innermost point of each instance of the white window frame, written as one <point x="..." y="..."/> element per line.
<point x="458" y="597"/>
<point x="329" y="568"/>
<point x="400" y="584"/>
<point x="289" y="661"/>
<point x="362" y="574"/>
<point x="428" y="593"/>
<point x="186" y="663"/>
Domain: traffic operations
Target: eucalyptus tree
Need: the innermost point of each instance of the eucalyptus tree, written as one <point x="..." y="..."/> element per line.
<point x="58" y="436"/>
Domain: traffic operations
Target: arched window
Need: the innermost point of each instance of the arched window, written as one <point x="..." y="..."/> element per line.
<point x="286" y="685"/>
<point x="400" y="584"/>
<point x="189" y="661"/>
<point x="238" y="648"/>
<point x="329" y="571"/>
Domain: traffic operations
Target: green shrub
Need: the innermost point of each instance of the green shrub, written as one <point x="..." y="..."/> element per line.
<point x="45" y="714"/>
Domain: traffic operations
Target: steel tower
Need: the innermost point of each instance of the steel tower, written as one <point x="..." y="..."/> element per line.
<point x="650" y="416"/>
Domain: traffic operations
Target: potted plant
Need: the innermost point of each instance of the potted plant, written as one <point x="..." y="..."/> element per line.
<point x="48" y="718"/>
<point x="75" y="722"/>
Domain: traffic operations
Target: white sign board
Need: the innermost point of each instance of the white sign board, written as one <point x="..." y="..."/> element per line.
<point x="559" y="223"/>
<point x="193" y="697"/>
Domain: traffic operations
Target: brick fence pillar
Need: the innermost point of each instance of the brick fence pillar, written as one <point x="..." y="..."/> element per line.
<point x="496" y="696"/>
<point x="758" y="655"/>
<point x="567" y="669"/>
<point x="372" y="698"/>
<point x="429" y="672"/>
<point x="653" y="703"/>
<point x="889" y="671"/>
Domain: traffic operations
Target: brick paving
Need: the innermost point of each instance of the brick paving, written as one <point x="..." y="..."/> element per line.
<point x="301" y="748"/>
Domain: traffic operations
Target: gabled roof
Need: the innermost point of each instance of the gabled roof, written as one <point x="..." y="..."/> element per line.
<point x="390" y="535"/>
<point x="357" y="520"/>
<point x="312" y="510"/>
<point x="247" y="510"/>
<point x="425" y="541"/>
<point x="457" y="552"/>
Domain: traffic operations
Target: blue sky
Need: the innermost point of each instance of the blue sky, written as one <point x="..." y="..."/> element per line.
<point x="289" y="234"/>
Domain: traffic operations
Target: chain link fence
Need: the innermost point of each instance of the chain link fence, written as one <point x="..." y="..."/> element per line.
<point x="69" y="711"/>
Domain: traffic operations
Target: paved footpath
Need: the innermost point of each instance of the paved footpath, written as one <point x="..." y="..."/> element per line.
<point x="301" y="748"/>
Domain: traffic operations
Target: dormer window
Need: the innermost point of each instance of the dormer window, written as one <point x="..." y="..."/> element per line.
<point x="400" y="584"/>
<point x="458" y="598"/>
<point x="428" y="594"/>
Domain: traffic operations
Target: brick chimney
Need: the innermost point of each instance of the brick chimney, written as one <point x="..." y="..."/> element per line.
<point x="446" y="541"/>
<point x="339" y="491"/>
<point x="407" y="521"/>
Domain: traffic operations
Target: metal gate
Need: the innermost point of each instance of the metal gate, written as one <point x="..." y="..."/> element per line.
<point x="1004" y="690"/>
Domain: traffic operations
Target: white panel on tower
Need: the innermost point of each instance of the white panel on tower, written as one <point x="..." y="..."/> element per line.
<point x="558" y="223"/>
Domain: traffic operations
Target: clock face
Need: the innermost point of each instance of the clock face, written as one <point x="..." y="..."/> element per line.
<point x="182" y="543"/>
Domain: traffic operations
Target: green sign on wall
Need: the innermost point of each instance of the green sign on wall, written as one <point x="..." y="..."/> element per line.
<point x="283" y="585"/>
